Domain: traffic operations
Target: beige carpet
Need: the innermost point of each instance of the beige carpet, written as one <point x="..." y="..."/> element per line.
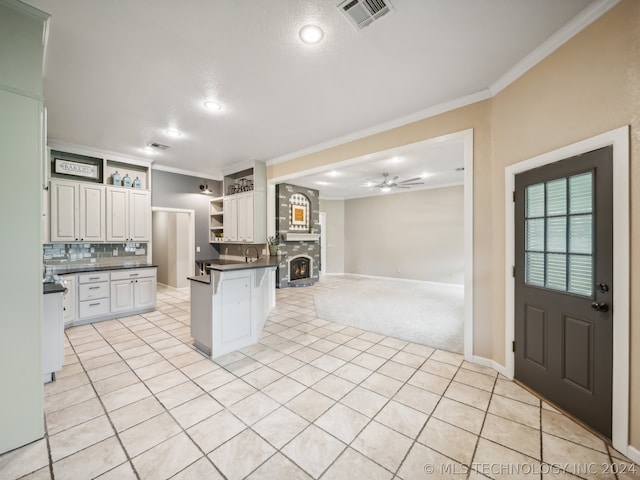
<point x="422" y="312"/>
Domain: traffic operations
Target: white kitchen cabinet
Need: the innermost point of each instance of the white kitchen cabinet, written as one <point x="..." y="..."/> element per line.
<point x="52" y="335"/>
<point x="70" y="300"/>
<point x="133" y="289"/>
<point x="93" y="295"/>
<point x="230" y="215"/>
<point x="245" y="217"/>
<point x="77" y="212"/>
<point x="128" y="215"/>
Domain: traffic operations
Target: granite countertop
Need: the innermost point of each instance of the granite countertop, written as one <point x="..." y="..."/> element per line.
<point x="223" y="265"/>
<point x="67" y="269"/>
<point x="53" y="287"/>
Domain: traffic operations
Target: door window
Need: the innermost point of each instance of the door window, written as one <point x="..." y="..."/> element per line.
<point x="559" y="234"/>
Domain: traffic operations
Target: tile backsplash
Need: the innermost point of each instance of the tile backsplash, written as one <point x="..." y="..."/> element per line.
<point x="93" y="254"/>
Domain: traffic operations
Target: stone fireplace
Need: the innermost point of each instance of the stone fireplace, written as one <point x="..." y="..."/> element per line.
<point x="297" y="215"/>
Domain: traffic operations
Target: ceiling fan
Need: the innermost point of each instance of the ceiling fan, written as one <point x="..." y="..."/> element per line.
<point x="387" y="184"/>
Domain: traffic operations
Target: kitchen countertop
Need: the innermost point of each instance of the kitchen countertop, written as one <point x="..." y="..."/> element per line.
<point x="67" y="269"/>
<point x="53" y="288"/>
<point x="222" y="265"/>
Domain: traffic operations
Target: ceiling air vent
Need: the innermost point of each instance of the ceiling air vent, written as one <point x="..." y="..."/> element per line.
<point x="362" y="13"/>
<point x="159" y="146"/>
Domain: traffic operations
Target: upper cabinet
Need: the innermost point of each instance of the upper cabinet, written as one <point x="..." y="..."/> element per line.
<point x="128" y="215"/>
<point x="23" y="32"/>
<point x="90" y="201"/>
<point x="244" y="207"/>
<point x="77" y="212"/>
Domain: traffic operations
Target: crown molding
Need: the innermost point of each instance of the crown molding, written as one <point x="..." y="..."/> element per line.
<point x="189" y="173"/>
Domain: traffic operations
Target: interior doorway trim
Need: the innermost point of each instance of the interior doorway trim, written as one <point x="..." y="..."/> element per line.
<point x="619" y="139"/>
<point x="464" y="136"/>
<point x="192" y="230"/>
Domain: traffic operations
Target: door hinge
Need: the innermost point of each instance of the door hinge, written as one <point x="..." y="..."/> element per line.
<point x="513" y="346"/>
<point x="514" y="196"/>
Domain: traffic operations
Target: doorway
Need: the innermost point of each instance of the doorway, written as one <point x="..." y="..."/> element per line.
<point x="619" y="140"/>
<point x="173" y="245"/>
<point x="564" y="284"/>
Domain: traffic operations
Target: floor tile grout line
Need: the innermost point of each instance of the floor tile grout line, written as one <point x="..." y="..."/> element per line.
<point x="166" y="410"/>
<point x="115" y="431"/>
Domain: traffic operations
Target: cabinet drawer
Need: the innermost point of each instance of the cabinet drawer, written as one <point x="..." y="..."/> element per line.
<point x="93" y="277"/>
<point x="93" y="291"/>
<point x="133" y="273"/>
<point x="92" y="308"/>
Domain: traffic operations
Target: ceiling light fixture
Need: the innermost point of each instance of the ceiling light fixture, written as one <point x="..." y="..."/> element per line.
<point x="311" y="34"/>
<point x="320" y="182"/>
<point x="172" y="132"/>
<point x="204" y="188"/>
<point x="213" y="106"/>
<point x="385" y="189"/>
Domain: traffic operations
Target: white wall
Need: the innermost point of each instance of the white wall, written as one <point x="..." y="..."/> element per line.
<point x="335" y="235"/>
<point x="417" y="235"/>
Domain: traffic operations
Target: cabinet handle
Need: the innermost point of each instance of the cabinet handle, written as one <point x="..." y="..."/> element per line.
<point x="134" y="274"/>
<point x="94" y="304"/>
<point x="94" y="278"/>
<point x="94" y="288"/>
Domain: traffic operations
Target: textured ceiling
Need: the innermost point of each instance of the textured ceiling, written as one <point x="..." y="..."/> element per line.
<point x="118" y="73"/>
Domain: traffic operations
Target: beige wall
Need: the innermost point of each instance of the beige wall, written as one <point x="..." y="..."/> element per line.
<point x="415" y="235"/>
<point x="588" y="86"/>
<point x="335" y="235"/>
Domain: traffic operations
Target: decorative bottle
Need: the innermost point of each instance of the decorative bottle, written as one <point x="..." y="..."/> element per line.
<point x="117" y="179"/>
<point x="137" y="183"/>
<point x="126" y="181"/>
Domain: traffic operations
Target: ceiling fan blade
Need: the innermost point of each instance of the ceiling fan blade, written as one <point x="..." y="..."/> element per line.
<point x="401" y="186"/>
<point x="394" y="179"/>
<point x="410" y="180"/>
<point x="411" y="184"/>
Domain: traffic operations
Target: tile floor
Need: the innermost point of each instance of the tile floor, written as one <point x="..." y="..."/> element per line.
<point x="312" y="400"/>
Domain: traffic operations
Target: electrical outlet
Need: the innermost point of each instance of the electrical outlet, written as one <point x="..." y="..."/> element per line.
<point x="198" y="249"/>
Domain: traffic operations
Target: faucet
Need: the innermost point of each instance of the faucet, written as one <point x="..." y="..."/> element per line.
<point x="246" y="253"/>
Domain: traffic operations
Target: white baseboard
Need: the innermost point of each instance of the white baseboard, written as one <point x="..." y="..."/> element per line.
<point x="485" y="362"/>
<point x="633" y="454"/>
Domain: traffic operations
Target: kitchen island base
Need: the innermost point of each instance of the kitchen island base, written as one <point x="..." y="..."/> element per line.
<point x="230" y="307"/>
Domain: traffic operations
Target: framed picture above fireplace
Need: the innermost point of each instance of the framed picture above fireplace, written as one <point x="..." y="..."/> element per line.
<point x="299" y="215"/>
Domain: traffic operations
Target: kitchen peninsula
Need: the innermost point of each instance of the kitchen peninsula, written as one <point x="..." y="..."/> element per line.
<point x="230" y="305"/>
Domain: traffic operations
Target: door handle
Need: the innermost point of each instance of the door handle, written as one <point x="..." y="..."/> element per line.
<point x="600" y="307"/>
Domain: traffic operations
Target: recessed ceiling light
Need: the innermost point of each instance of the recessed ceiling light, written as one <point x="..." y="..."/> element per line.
<point x="320" y="182"/>
<point x="425" y="175"/>
<point x="172" y="132"/>
<point x="334" y="173"/>
<point x="385" y="189"/>
<point x="213" y="106"/>
<point x="311" y="34"/>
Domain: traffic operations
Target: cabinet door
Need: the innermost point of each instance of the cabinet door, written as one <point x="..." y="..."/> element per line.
<point x="139" y="215"/>
<point x="92" y="213"/>
<point x="70" y="299"/>
<point x="245" y="217"/>
<point x="230" y="219"/>
<point x="117" y="215"/>
<point x="144" y="292"/>
<point x="122" y="295"/>
<point x="64" y="212"/>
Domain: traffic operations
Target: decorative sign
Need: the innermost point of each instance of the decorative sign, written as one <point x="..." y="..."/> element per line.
<point x="77" y="169"/>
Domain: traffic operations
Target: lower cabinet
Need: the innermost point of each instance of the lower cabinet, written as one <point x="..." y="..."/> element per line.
<point x="70" y="300"/>
<point x="133" y="290"/>
<point x="100" y="296"/>
<point x="52" y="336"/>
